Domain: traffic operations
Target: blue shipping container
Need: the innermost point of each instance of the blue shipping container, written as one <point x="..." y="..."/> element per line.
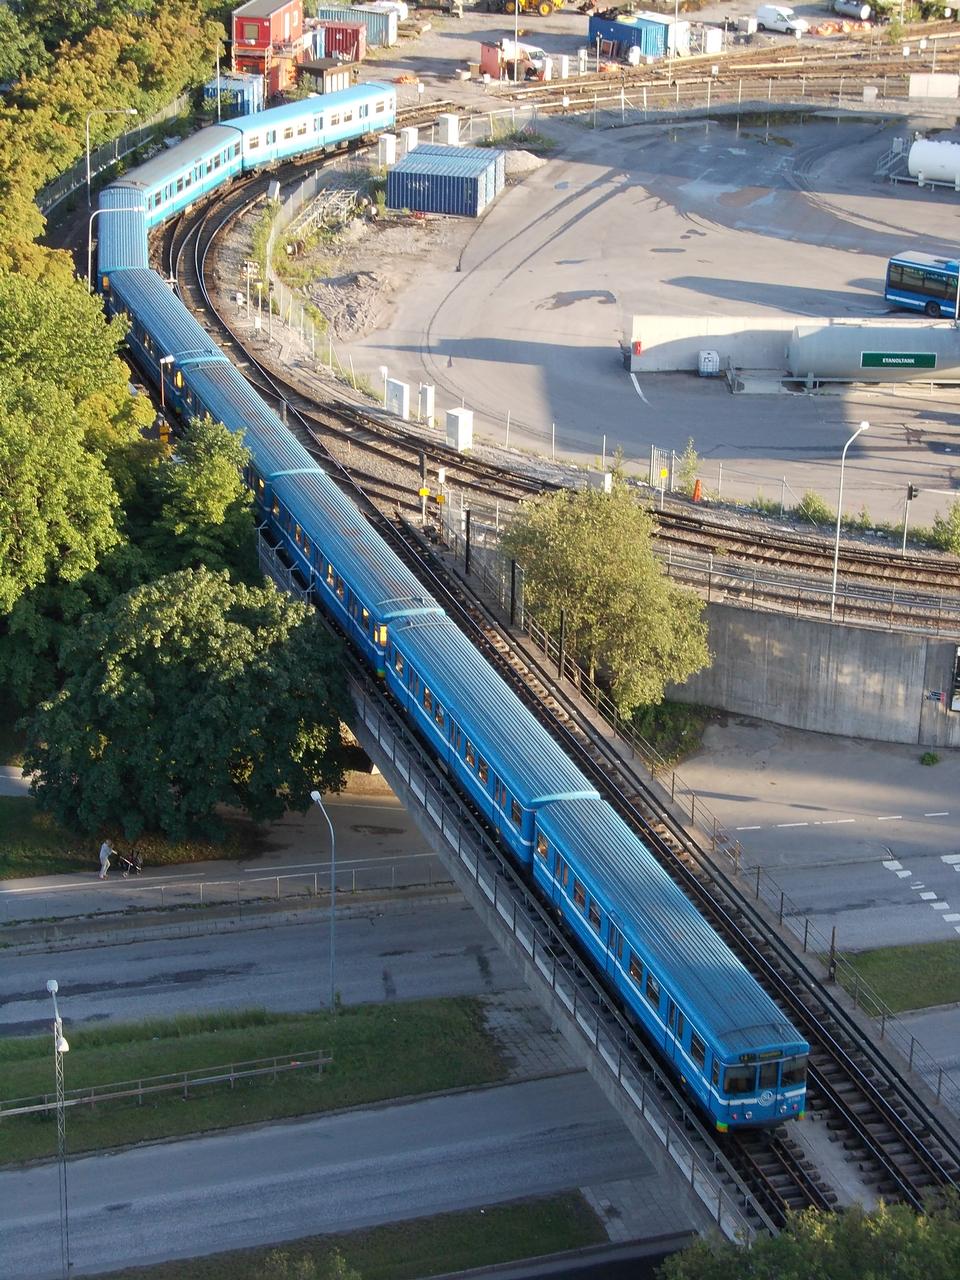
<point x="455" y="180"/>
<point x="381" y="24"/>
<point x="647" y="33"/>
<point x="241" y="93"/>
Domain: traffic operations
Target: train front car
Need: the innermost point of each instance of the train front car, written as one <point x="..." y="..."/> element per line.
<point x="315" y="123"/>
<point x="185" y="173"/>
<point x="724" y="1037"/>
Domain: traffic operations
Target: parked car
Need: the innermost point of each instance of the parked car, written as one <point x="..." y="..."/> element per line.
<point x="780" y="17"/>
<point x="853" y="9"/>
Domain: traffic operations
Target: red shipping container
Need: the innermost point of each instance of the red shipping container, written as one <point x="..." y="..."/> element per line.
<point x="348" y="39"/>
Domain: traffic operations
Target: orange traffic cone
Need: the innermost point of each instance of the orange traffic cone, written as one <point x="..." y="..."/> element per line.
<point x="697" y="490"/>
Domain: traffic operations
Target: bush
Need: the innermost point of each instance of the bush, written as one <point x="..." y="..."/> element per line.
<point x="813" y="508"/>
<point x="688" y="464"/>
<point x="929" y="758"/>
<point x="946" y="529"/>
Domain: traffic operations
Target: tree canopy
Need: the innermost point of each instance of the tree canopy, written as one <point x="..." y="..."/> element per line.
<point x="589" y="555"/>
<point x="184" y="694"/>
<point x="889" y="1243"/>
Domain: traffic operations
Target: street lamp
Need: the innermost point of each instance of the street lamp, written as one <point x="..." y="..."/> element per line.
<point x="137" y="208"/>
<point x="318" y="801"/>
<point x="864" y="426"/>
<point x="384" y="374"/>
<point x="103" y="111"/>
<point x="60" y="1047"/>
<point x="162" y="361"/>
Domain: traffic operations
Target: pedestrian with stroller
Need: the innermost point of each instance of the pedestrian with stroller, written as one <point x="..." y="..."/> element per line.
<point x="106" y="851"/>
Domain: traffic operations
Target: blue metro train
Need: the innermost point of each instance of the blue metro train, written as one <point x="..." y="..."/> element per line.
<point x="724" y="1037"/>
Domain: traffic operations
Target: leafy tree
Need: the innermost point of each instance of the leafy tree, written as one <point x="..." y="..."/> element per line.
<point x="946" y="529"/>
<point x="889" y="1243"/>
<point x="203" y="506"/>
<point x="21" y="50"/>
<point x="589" y="554"/>
<point x="183" y="695"/>
<point x="688" y="467"/>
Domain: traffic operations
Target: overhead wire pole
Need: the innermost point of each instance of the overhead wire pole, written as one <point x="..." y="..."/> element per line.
<point x="60" y="1047"/>
<point x="317" y="799"/>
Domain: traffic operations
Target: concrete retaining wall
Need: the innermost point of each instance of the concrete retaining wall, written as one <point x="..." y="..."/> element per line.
<point x="832" y="679"/>
<point x="674" y="342"/>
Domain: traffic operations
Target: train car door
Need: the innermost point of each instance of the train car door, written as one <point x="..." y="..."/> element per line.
<point x="675" y="1029"/>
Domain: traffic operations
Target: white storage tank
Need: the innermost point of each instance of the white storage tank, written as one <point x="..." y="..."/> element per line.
<point x="935" y="162"/>
<point x="879" y="353"/>
<point x="708" y="364"/>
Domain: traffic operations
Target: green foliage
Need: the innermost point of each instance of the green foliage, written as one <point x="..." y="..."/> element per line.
<point x="261" y="237"/>
<point x="687" y="469"/>
<point x="946" y="529"/>
<point x="929" y="758"/>
<point x="589" y="554"/>
<point x="673" y="729"/>
<point x="187" y="694"/>
<point x="890" y="1242"/>
<point x="813" y="508"/>
<point x="21" y="50"/>
<point x="916" y="976"/>
<point x="531" y="140"/>
<point x="280" y="1265"/>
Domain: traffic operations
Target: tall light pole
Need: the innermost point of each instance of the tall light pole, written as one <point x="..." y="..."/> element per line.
<point x="384" y="374"/>
<point x="60" y="1047"/>
<point x="864" y="426"/>
<point x="317" y="799"/>
<point x="103" y="111"/>
<point x="137" y="208"/>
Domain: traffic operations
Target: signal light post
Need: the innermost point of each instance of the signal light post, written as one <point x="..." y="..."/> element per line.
<point x="912" y="492"/>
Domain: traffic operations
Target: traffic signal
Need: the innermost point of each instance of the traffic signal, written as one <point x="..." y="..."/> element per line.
<point x="912" y="492"/>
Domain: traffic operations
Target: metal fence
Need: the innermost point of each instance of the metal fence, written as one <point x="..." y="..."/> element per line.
<point x="102" y="157"/>
<point x="502" y="582"/>
<point x="182" y="1082"/>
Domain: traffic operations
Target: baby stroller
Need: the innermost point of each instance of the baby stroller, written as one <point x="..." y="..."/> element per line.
<point x="130" y="863"/>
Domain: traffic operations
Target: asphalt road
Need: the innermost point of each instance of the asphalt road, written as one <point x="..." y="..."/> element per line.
<point x="338" y="1173"/>
<point x="405" y="953"/>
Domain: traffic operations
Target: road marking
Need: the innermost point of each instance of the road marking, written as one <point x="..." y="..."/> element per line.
<point x="941" y="815"/>
<point x="839" y="821"/>
<point x="781" y="825"/>
<point x="904" y="875"/>
<point x="919" y="885"/>
<point x="633" y="379"/>
<point x="950" y="858"/>
<point x="893" y="817"/>
<point x="941" y="906"/>
<point x="748" y="828"/>
<point x="951" y="918"/>
<point x="928" y="896"/>
<point x="893" y="865"/>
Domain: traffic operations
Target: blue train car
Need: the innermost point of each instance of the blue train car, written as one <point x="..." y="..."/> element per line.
<point x="315" y="123"/>
<point x="729" y="1043"/>
<point x="176" y="178"/>
<point x="121" y="232"/>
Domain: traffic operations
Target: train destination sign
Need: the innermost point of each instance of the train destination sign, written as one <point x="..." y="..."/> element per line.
<point x="898" y="360"/>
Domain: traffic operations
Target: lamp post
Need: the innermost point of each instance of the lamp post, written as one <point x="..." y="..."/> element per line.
<point x="384" y="374"/>
<point x="259" y="305"/>
<point x="137" y="208"/>
<point x="103" y="111"/>
<point x="864" y="426"/>
<point x="317" y="799"/>
<point x="163" y="400"/>
<point x="60" y="1047"/>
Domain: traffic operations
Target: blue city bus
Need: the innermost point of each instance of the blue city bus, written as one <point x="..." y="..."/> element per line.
<point x="922" y="282"/>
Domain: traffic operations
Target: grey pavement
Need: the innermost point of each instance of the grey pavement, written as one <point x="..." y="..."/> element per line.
<point x="12" y="781"/>
<point x="334" y="1173"/>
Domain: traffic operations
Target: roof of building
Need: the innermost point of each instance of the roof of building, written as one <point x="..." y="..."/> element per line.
<point x="259" y="8"/>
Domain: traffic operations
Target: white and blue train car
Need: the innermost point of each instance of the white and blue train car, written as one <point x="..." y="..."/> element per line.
<point x="720" y="1032"/>
<point x="316" y="123"/>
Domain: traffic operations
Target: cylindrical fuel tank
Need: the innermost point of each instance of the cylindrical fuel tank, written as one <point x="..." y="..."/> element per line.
<point x="882" y="353"/>
<point x="935" y="161"/>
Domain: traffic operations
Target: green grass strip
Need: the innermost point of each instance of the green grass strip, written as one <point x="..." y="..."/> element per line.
<point x="33" y="844"/>
<point x="913" y="977"/>
<point x="405" y="1250"/>
<point x="379" y="1052"/>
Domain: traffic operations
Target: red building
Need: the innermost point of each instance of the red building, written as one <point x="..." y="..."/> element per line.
<point x="268" y="40"/>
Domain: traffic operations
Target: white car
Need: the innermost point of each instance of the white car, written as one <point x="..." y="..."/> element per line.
<point x="853" y="9"/>
<point x="780" y="17"/>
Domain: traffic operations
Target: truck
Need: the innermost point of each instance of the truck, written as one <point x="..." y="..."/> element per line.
<point x="543" y="7"/>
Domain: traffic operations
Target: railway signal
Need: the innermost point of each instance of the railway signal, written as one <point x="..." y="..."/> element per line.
<point x="913" y="491"/>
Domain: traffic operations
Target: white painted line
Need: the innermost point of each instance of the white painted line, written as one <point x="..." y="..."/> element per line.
<point x="748" y="828"/>
<point x="941" y="815"/>
<point x="941" y="906"/>
<point x="839" y="821"/>
<point x="782" y="825"/>
<point x="904" y="875"/>
<point x="951" y="918"/>
<point x="893" y="865"/>
<point x="893" y="817"/>
<point x="956" y="928"/>
<point x="633" y="379"/>
<point x="950" y="858"/>
<point x="928" y="896"/>
<point x="918" y="885"/>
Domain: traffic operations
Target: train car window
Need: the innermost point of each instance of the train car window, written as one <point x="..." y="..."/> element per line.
<point x="271" y="136"/>
<point x="579" y="895"/>
<point x="363" y="112"/>
<point x="768" y="1075"/>
<point x="365" y="619"/>
<point x="427" y="699"/>
<point x="739" y="1080"/>
<point x="794" y="1070"/>
<point x="715" y="1073"/>
<point x="253" y="142"/>
<point x="301" y="128"/>
<point x="380" y="637"/>
<point x="652" y="990"/>
<point x="347" y="117"/>
<point x="563" y="872"/>
<point x="306" y="546"/>
<point x="438" y="715"/>
<point x="398" y="662"/>
<point x="483" y="771"/>
<point x="543" y="847"/>
<point x="179" y="185"/>
<point x="216" y="161"/>
<point x="276" y="507"/>
<point x="288" y="132"/>
<point x="339" y="587"/>
<point x="318" y="124"/>
<point x="616" y="942"/>
<point x="681" y="1023"/>
<point x="380" y="108"/>
<point x="636" y="969"/>
<point x="236" y="148"/>
<point x="516" y="814"/>
<point x="188" y="180"/>
<point x="297" y="534"/>
<point x="330" y="574"/>
<point x="594" y="915"/>
<point x="334" y="119"/>
<point x="415" y="684"/>
<point x="698" y="1050"/>
<point x="469" y="754"/>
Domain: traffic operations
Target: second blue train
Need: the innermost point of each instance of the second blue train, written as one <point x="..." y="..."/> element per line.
<point x="723" y="1036"/>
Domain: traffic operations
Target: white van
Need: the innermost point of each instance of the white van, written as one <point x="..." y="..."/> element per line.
<point x="780" y="17"/>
